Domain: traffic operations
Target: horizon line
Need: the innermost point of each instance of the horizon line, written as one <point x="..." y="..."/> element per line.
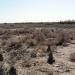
<point x="39" y="21"/>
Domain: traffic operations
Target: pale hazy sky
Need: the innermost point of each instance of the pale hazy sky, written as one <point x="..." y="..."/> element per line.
<point x="36" y="10"/>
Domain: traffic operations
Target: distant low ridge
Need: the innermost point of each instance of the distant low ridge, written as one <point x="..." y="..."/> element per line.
<point x="60" y="24"/>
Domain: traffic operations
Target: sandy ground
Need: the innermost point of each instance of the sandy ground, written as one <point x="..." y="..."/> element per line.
<point x="62" y="65"/>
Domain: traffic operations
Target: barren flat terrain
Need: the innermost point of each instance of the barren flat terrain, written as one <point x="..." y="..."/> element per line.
<point x="37" y="49"/>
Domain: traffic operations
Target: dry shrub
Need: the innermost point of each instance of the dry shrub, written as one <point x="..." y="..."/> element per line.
<point x="62" y="37"/>
<point x="51" y="41"/>
<point x="72" y="57"/>
<point x="5" y="37"/>
<point x="41" y="50"/>
<point x="25" y="30"/>
<point x="22" y="38"/>
<point x="3" y="42"/>
<point x="45" y="31"/>
<point x="26" y="63"/>
<point x="2" y="71"/>
<point x="40" y="36"/>
<point x="13" y="44"/>
<point x="25" y="38"/>
<point x="31" y="42"/>
<point x="2" y="31"/>
<point x="51" y="35"/>
<point x="19" y="31"/>
<point x="49" y="32"/>
<point x="33" y="54"/>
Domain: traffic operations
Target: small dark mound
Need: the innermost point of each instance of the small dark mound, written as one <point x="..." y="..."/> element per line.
<point x="12" y="71"/>
<point x="1" y="57"/>
<point x="31" y="44"/>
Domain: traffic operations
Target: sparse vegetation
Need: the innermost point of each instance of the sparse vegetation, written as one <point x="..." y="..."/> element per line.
<point x="33" y="54"/>
<point x="29" y="45"/>
<point x="26" y="63"/>
<point x="72" y="57"/>
<point x="13" y="45"/>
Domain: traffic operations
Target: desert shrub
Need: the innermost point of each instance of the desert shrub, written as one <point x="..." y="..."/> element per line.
<point x="40" y="36"/>
<point x="13" y="45"/>
<point x="22" y="39"/>
<point x="45" y="31"/>
<point x="60" y="42"/>
<point x="33" y="54"/>
<point x="25" y="30"/>
<point x="19" y="31"/>
<point x="2" y="31"/>
<point x="5" y="37"/>
<point x="51" y="35"/>
<point x="16" y="50"/>
<point x="49" y="32"/>
<point x="15" y="56"/>
<point x="26" y="63"/>
<point x="12" y="71"/>
<point x="31" y="42"/>
<point x="62" y="37"/>
<point x="1" y="71"/>
<point x="3" y="42"/>
<point x="72" y="57"/>
<point x="51" y="41"/>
